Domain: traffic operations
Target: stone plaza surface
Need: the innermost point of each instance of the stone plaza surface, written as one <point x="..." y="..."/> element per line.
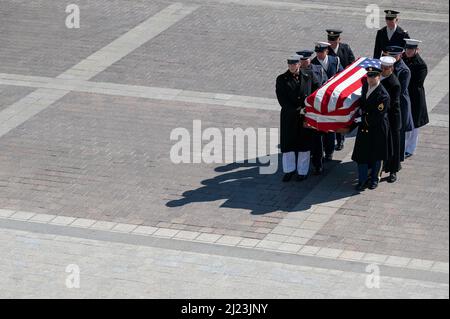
<point x="86" y="176"/>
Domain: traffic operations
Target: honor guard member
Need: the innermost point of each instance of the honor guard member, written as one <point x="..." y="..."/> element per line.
<point x="331" y="65"/>
<point x="419" y="71"/>
<point x="346" y="57"/>
<point x="403" y="74"/>
<point x="372" y="140"/>
<point x="391" y="35"/>
<point x="392" y="85"/>
<point x="305" y="63"/>
<point x="292" y="88"/>
<point x="340" y="49"/>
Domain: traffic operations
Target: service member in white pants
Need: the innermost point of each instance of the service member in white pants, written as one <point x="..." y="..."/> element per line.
<point x="292" y="88"/>
<point x="412" y="138"/>
<point x="299" y="163"/>
<point x="419" y="110"/>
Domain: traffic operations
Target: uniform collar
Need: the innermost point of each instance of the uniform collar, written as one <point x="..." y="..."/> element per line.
<point x="325" y="61"/>
<point x="337" y="48"/>
<point x="393" y="31"/>
<point x="415" y="57"/>
<point x="293" y="75"/>
<point x="370" y="90"/>
<point x="385" y="77"/>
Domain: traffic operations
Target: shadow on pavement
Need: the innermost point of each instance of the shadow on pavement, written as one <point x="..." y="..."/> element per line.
<point x="243" y="187"/>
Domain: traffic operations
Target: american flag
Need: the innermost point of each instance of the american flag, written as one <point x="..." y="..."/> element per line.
<point x="334" y="105"/>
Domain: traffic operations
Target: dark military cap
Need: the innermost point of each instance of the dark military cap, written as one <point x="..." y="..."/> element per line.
<point x="373" y="71"/>
<point x="305" y="54"/>
<point x="391" y="14"/>
<point x="333" y="34"/>
<point x="393" y="50"/>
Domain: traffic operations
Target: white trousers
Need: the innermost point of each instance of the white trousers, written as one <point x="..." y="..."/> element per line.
<point x="411" y="140"/>
<point x="302" y="164"/>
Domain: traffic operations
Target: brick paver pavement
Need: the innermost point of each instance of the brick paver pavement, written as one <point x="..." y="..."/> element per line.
<point x="104" y="156"/>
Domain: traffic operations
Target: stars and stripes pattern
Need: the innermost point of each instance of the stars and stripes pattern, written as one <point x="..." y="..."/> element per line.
<point x="334" y="105"/>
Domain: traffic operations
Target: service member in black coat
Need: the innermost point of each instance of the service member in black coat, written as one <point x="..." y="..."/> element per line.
<point x="372" y="140"/>
<point x="419" y="71"/>
<point x="391" y="35"/>
<point x="346" y="57"/>
<point x="330" y="65"/>
<point x="392" y="86"/>
<point x="338" y="48"/>
<point x="403" y="74"/>
<point x="292" y="87"/>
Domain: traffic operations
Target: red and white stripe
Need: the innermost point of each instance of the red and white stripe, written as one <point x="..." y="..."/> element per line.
<point x="333" y="105"/>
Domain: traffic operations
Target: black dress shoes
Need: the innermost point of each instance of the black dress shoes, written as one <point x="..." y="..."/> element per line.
<point x="373" y="185"/>
<point x="288" y="176"/>
<point x="360" y="187"/>
<point x="392" y="178"/>
<point x="339" y="147"/>
<point x="328" y="158"/>
<point x="301" y="178"/>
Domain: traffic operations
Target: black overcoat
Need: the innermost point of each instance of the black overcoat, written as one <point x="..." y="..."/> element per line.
<point x="403" y="74"/>
<point x="393" y="87"/>
<point x="372" y="140"/>
<point x="291" y="94"/>
<point x="419" y="71"/>
<point x="382" y="41"/>
<point x="344" y="53"/>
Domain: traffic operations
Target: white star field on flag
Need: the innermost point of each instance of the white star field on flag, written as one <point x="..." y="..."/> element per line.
<point x="370" y="63"/>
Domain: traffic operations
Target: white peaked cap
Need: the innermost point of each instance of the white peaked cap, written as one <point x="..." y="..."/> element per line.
<point x="323" y="44"/>
<point x="294" y="57"/>
<point x="387" y="60"/>
<point x="412" y="41"/>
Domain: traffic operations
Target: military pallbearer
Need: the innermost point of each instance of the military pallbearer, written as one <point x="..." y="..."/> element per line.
<point x="372" y="145"/>
<point x="391" y="35"/>
<point x="346" y="57"/>
<point x="330" y="65"/>
<point x="403" y="74"/>
<point x="392" y="85"/>
<point x="419" y="72"/>
<point x="292" y="87"/>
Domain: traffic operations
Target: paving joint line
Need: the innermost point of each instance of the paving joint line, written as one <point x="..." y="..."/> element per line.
<point x="31" y="220"/>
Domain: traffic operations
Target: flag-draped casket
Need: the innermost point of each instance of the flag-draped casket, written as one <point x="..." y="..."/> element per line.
<point x="335" y="104"/>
